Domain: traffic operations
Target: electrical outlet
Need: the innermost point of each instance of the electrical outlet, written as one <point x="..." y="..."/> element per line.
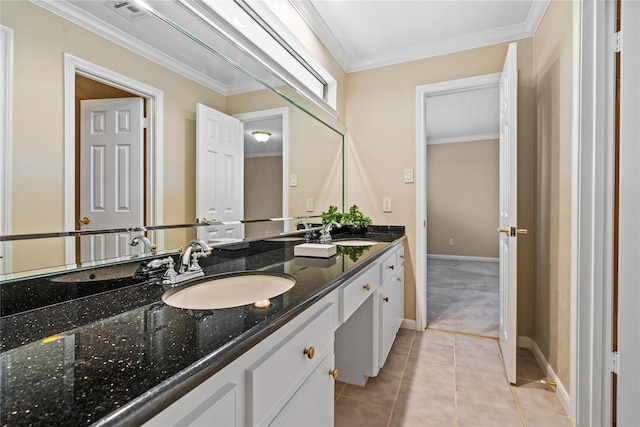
<point x="450" y="242"/>
<point x="386" y="204"/>
<point x="294" y="180"/>
<point x="309" y="205"/>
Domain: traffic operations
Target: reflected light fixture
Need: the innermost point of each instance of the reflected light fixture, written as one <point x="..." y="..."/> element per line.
<point x="261" y="136"/>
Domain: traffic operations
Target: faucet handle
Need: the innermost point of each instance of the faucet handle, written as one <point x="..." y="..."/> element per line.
<point x="194" y="260"/>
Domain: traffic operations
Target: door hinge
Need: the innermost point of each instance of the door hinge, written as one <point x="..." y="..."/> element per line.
<point x="145" y="122"/>
<point x="614" y="362"/>
<point x="617" y="42"/>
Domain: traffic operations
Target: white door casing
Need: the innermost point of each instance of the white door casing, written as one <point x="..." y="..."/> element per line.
<point x="628" y="380"/>
<point x="507" y="325"/>
<point x="111" y="174"/>
<point x="6" y="114"/>
<point x="219" y="174"/>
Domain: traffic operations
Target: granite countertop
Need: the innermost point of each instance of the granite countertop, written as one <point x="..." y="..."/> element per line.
<point x="121" y="355"/>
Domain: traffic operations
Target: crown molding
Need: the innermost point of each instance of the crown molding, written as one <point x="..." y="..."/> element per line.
<point x="443" y="47"/>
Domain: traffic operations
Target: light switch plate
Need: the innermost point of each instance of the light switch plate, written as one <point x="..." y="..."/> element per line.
<point x="309" y="205"/>
<point x="294" y="180"/>
<point x="386" y="204"/>
<point x="408" y="176"/>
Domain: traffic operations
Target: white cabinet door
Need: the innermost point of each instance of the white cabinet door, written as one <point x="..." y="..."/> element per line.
<point x="313" y="403"/>
<point x="387" y="303"/>
<point x="399" y="298"/>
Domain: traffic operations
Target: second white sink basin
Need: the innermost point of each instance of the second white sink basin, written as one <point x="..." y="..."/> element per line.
<point x="355" y="242"/>
<point x="229" y="291"/>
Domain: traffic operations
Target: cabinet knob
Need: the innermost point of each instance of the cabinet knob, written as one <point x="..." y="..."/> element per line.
<point x="310" y="352"/>
<point x="367" y="287"/>
<point x="334" y="373"/>
<point x="399" y="279"/>
<point x="392" y="267"/>
<point x="386" y="299"/>
<point x="401" y="256"/>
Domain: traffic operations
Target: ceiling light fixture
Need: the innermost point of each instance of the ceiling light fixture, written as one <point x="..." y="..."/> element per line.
<point x="261" y="136"/>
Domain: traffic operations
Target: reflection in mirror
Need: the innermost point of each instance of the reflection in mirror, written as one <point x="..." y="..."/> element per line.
<point x="157" y="67"/>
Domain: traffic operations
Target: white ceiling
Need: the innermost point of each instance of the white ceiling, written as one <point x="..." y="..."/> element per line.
<point x="365" y="34"/>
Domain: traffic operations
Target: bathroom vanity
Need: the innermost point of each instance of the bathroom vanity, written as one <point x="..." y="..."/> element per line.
<point x="123" y="357"/>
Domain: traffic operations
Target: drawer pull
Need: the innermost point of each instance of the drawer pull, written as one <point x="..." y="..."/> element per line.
<point x="392" y="267"/>
<point x="401" y="256"/>
<point x="386" y="299"/>
<point x="334" y="373"/>
<point x="399" y="279"/>
<point x="310" y="352"/>
<point x="367" y="287"/>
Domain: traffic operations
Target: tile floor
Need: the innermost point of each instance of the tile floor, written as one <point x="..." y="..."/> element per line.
<point x="443" y="379"/>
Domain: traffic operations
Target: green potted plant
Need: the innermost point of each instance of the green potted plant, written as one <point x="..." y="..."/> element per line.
<point x="355" y="220"/>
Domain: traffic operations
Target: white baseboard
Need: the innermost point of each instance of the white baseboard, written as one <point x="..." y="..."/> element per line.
<point x="530" y="344"/>
<point x="463" y="258"/>
<point x="408" y="324"/>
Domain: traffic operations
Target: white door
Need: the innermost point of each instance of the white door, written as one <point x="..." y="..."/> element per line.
<point x="508" y="211"/>
<point x="219" y="174"/>
<point x="628" y="378"/>
<point x="111" y="174"/>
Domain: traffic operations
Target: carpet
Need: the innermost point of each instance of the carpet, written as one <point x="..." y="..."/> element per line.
<point x="463" y="296"/>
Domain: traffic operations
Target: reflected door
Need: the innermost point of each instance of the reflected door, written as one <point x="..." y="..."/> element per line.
<point x="111" y="174"/>
<point x="219" y="174"/>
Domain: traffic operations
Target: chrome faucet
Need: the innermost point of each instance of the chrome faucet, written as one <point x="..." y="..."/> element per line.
<point x="325" y="234"/>
<point x="188" y="267"/>
<point x="307" y="235"/>
<point x="148" y="247"/>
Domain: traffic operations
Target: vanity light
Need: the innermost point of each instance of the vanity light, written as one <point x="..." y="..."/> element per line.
<point x="261" y="136"/>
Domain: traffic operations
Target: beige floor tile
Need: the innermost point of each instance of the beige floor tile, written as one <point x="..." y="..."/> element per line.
<point x="403" y="419"/>
<point x="426" y="372"/>
<point x="380" y="390"/>
<point x="529" y="369"/>
<point x="339" y="385"/>
<point x="479" y="359"/>
<point x="427" y="350"/>
<point x="538" y="396"/>
<point x="401" y="345"/>
<point x="422" y="400"/>
<point x="435" y="337"/>
<point x="404" y="332"/>
<point x="351" y="413"/>
<point x="395" y="365"/>
<point x="477" y="343"/>
<point x="475" y="411"/>
<point x="536" y="418"/>
<point x="486" y="384"/>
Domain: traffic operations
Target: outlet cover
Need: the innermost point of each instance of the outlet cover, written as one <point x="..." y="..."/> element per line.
<point x="386" y="204"/>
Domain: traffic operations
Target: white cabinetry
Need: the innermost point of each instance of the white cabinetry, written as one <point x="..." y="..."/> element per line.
<point x="274" y="383"/>
<point x="390" y="300"/>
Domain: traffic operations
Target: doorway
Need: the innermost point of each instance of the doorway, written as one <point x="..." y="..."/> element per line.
<point x="266" y="191"/>
<point x="84" y="71"/>
<point x="443" y="127"/>
<point x="462" y="200"/>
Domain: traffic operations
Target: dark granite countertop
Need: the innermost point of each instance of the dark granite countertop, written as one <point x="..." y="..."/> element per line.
<point x="119" y="355"/>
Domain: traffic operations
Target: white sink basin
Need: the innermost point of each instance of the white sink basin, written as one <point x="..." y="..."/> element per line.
<point x="229" y="291"/>
<point x="355" y="242"/>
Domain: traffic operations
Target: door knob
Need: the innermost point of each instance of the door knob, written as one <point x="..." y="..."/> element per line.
<point x="522" y="231"/>
<point x="84" y="220"/>
<point x="506" y="230"/>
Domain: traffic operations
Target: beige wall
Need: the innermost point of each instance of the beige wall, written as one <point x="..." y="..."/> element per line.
<point x="553" y="70"/>
<point x="462" y="198"/>
<point x="263" y="194"/>
<point x="381" y="119"/>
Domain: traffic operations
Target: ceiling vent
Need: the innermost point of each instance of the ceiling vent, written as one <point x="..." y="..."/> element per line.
<point x="126" y="9"/>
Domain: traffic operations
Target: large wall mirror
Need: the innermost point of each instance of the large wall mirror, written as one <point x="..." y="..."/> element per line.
<point x="64" y="72"/>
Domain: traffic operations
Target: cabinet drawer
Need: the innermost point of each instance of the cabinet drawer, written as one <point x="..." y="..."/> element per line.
<point x="274" y="378"/>
<point x="389" y="267"/>
<point x="400" y="256"/>
<point x="352" y="295"/>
